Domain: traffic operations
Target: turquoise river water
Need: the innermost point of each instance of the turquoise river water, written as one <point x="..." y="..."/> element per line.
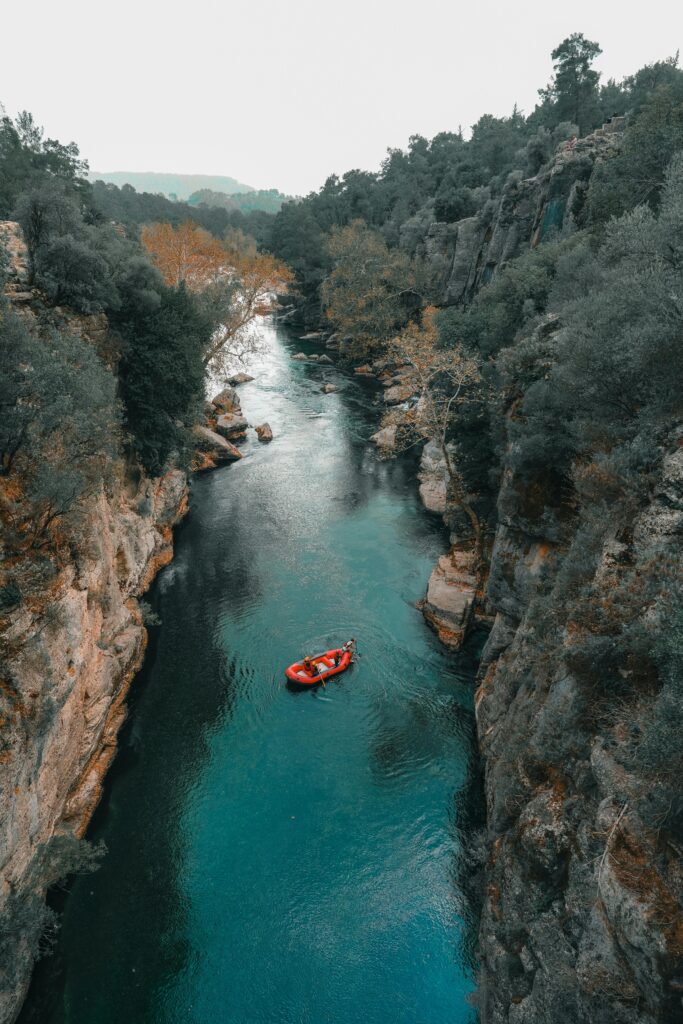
<point x="278" y="857"/>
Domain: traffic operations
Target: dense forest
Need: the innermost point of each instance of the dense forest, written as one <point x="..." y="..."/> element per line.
<point x="562" y="367"/>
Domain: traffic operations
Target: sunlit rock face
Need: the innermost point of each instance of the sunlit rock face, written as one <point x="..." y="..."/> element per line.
<point x="449" y="604"/>
<point x="72" y="661"/>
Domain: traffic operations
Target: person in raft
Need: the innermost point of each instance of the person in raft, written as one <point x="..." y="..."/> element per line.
<point x="309" y="667"/>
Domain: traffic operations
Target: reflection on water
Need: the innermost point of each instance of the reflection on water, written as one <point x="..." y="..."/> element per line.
<point x="282" y="857"/>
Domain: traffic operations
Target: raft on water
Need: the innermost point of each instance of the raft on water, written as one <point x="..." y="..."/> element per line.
<point x="320" y="667"/>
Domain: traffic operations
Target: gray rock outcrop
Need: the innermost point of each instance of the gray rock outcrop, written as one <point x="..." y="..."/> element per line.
<point x="232" y="425"/>
<point x="467" y="254"/>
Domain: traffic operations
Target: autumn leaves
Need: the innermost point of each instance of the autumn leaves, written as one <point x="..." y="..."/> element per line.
<point x="234" y="284"/>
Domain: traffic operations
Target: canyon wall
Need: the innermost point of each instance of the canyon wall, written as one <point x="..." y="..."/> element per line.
<point x="582" y="920"/>
<point x="69" y="653"/>
<point x="468" y="254"/>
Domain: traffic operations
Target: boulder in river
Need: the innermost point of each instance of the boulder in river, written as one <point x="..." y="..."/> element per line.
<point x="231" y="425"/>
<point x="239" y="378"/>
<point x="212" y="450"/>
<point x="363" y="371"/>
<point x="264" y="433"/>
<point x="311" y="336"/>
<point x="227" y="400"/>
<point x="449" y="604"/>
<point x="300" y="356"/>
<point x="325" y="359"/>
<point x="314" y="357"/>
<point x="329" y="389"/>
<point x="385" y="439"/>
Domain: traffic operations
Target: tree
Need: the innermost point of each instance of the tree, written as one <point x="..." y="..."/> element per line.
<point x="44" y="212"/>
<point x="444" y="379"/>
<point x="614" y="382"/>
<point x="371" y="289"/>
<point x="637" y="173"/>
<point x="574" y="88"/>
<point x="162" y="373"/>
<point x="27" y="160"/>
<point x="59" y="419"/>
<point x="235" y="300"/>
<point x="185" y="254"/>
<point x="234" y="287"/>
<point x="298" y="240"/>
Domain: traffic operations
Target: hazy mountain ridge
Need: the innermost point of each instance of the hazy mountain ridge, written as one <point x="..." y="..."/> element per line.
<point x="179" y="185"/>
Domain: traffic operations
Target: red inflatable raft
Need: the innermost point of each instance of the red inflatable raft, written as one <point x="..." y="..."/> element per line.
<point x="321" y="667"/>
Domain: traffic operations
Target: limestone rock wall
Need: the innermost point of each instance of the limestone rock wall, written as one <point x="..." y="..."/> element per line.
<point x="72" y="661"/>
<point x="468" y="254"/>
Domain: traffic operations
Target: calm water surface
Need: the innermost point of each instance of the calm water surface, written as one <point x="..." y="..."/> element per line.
<point x="280" y="858"/>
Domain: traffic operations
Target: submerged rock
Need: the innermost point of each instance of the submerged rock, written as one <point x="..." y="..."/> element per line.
<point x="449" y="604"/>
<point x="329" y="389"/>
<point x="264" y="433"/>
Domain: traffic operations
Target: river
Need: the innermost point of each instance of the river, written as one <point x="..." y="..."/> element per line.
<point x="278" y="857"/>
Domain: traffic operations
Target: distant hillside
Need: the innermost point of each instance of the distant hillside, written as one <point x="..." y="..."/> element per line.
<point x="267" y="200"/>
<point x="179" y="185"/>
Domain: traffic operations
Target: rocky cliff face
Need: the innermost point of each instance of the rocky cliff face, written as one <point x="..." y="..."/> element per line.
<point x="72" y="660"/>
<point x="69" y="653"/>
<point x="582" y="920"/>
<point x="467" y="254"/>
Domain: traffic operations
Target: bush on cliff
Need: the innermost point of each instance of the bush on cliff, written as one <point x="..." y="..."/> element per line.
<point x="58" y="426"/>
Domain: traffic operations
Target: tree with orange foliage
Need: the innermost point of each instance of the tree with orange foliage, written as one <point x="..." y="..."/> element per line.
<point x="236" y="300"/>
<point x="187" y="254"/>
<point x="235" y="285"/>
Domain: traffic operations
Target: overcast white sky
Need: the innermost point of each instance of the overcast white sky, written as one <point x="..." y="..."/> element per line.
<point x="282" y="94"/>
